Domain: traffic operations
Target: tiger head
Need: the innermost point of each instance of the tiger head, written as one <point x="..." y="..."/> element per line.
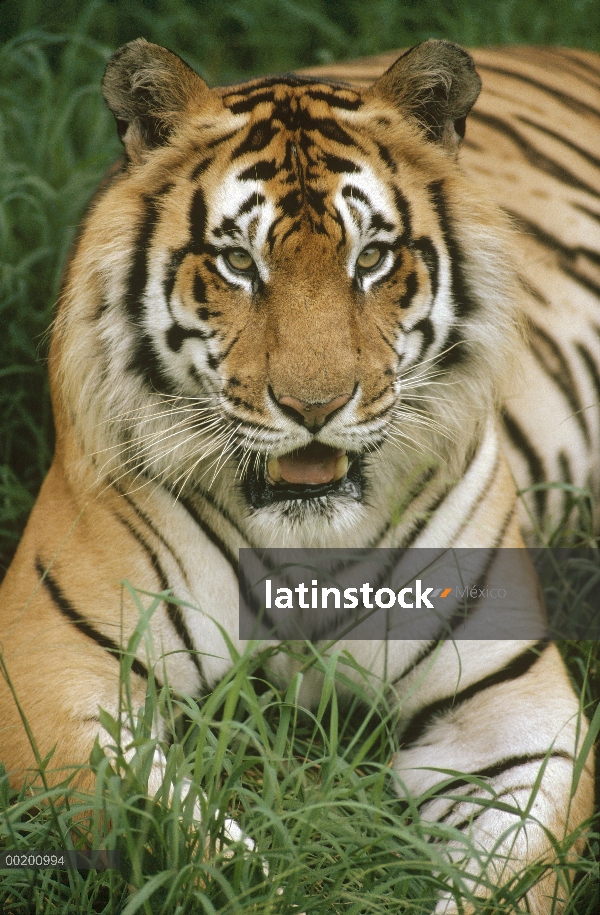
<point x="288" y="295"/>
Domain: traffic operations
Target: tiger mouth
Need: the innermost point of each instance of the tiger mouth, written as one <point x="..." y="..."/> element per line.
<point x="314" y="472"/>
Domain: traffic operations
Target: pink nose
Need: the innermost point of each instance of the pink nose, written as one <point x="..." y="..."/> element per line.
<point x="314" y="414"/>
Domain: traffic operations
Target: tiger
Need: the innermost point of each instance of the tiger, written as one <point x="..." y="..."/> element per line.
<point x="294" y="315"/>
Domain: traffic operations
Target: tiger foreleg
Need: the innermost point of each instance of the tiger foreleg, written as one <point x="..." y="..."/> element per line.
<point x="505" y="798"/>
<point x="163" y="789"/>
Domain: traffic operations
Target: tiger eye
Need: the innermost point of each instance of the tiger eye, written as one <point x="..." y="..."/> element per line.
<point x="238" y="259"/>
<point x="369" y="258"/>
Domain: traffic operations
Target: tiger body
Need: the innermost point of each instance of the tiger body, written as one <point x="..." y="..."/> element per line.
<point x="215" y="319"/>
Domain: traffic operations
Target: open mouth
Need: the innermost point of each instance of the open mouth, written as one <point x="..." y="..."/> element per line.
<point x="314" y="472"/>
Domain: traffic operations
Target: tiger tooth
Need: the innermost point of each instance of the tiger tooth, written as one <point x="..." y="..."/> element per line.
<point x="341" y="467"/>
<point x="273" y="470"/>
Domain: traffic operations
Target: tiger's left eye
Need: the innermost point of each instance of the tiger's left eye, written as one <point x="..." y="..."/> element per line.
<point x="239" y="259"/>
<point x="369" y="257"/>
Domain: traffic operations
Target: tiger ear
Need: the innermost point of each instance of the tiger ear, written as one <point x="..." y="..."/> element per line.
<point x="435" y="84"/>
<point x="148" y="89"/>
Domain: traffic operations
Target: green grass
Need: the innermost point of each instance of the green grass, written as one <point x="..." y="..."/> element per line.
<point x="314" y="790"/>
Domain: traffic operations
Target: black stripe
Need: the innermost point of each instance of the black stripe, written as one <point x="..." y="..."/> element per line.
<point x="583" y="280"/>
<point x="160" y="574"/>
<point x="533" y="291"/>
<point x="463" y="613"/>
<point x="200" y="168"/>
<point x="579" y="65"/>
<point x="243" y="99"/>
<point x="532" y="458"/>
<point x="571" y="102"/>
<point x="138" y="273"/>
<point x="261" y="171"/>
<point x="555" y="244"/>
<point x="586" y="210"/>
<point x="176" y="335"/>
<point x="171" y="272"/>
<point x="379" y="222"/>
<point x="429" y="255"/>
<point x="404" y="209"/>
<point x="415" y="492"/>
<point x="469" y="798"/>
<point x="533" y="155"/>
<point x="257" y="138"/>
<point x="67" y="609"/>
<point x="424" y="520"/>
<point x="214" y="538"/>
<point x="339" y="165"/>
<point x="543" y="128"/>
<point x="591" y="366"/>
<point x="454" y="352"/>
<point x="200" y="297"/>
<point x="331" y="130"/>
<point x="316" y="200"/>
<point x="411" y="286"/>
<point x="244" y="105"/>
<point x="433" y="712"/>
<point x="425" y="328"/>
<point x="553" y="362"/>
<point x="173" y="611"/>
<point x="483" y="495"/>
<point x="152" y="527"/>
<point x="144" y="359"/>
<point x="252" y="201"/>
<point x="197" y="220"/>
<point x="222" y="139"/>
<point x="511" y="762"/>
<point x="355" y="193"/>
<point x="255" y="86"/>
<point x="566" y="474"/>
<point x="386" y="156"/>
<point x="145" y="362"/>
<point x="461" y="799"/>
<point x="464" y="300"/>
<point x="290" y="204"/>
<point x="286" y="79"/>
<point x="336" y="101"/>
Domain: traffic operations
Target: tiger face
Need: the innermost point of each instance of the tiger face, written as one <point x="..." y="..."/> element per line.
<point x="279" y="288"/>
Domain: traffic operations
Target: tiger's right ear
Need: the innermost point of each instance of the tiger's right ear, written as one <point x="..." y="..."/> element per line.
<point x="148" y="89"/>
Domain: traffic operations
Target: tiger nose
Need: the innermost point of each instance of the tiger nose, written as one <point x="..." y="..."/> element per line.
<point x="312" y="414"/>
